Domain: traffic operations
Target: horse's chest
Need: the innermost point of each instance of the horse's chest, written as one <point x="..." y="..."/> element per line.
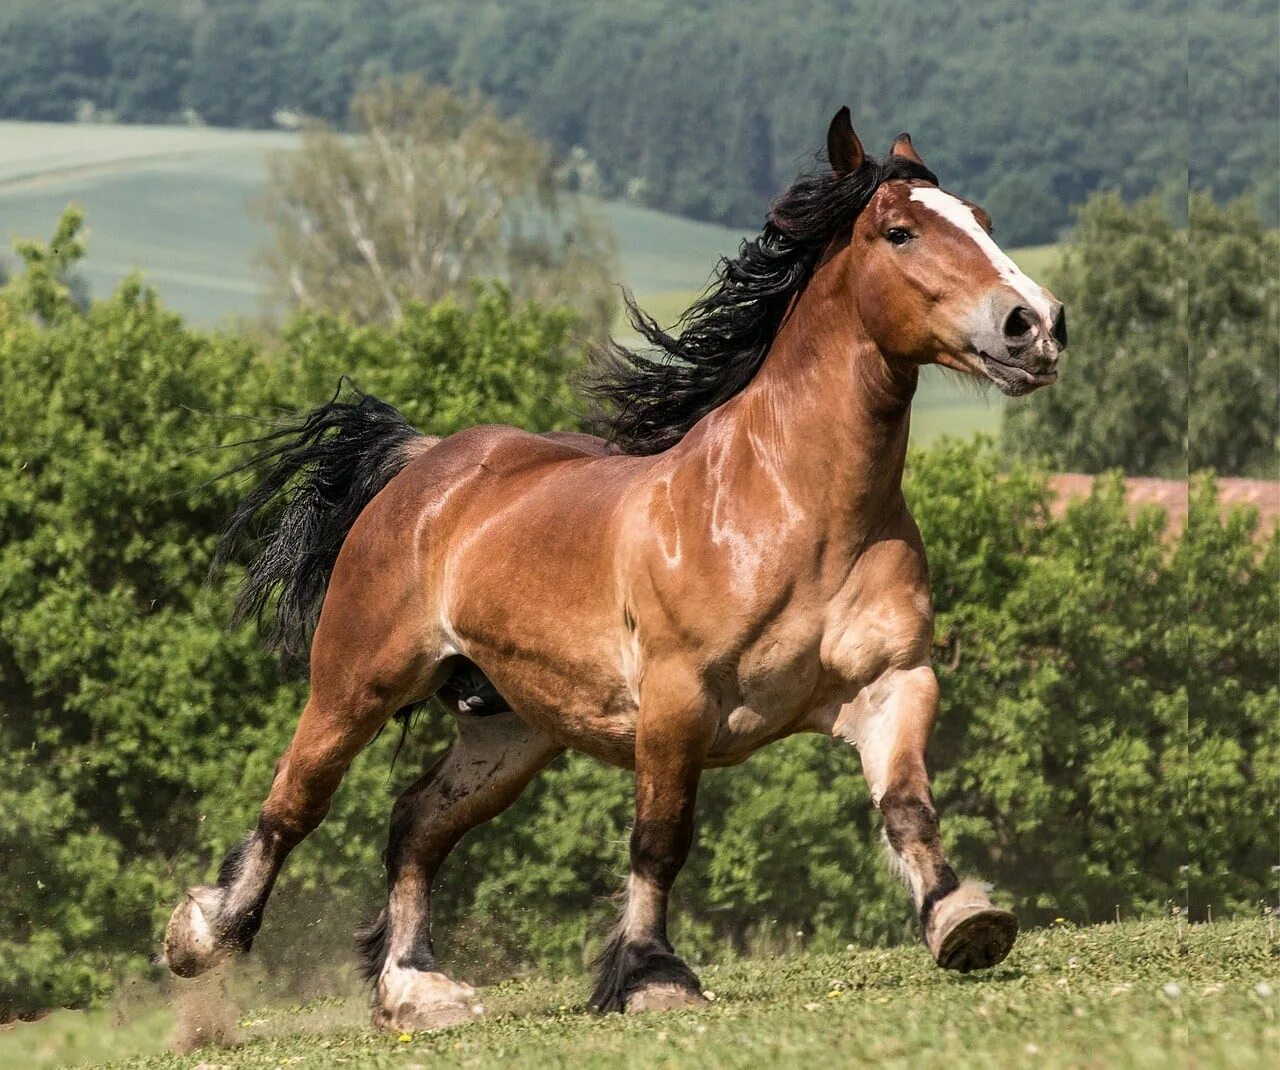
<point x="815" y="662"/>
<point x="773" y="683"/>
<point x="894" y="630"/>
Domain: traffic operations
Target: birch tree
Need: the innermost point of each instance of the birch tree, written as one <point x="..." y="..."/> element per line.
<point x="426" y="192"/>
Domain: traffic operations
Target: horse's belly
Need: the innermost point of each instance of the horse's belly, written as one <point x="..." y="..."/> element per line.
<point x="580" y="701"/>
<point x="744" y="730"/>
<point x="584" y="716"/>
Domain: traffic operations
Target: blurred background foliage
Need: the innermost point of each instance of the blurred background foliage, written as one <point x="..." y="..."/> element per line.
<point x="1173" y="358"/>
<point x="427" y="192"/>
<point x="707" y="108"/>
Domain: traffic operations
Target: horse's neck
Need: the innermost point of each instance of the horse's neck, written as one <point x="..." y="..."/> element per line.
<point x="826" y="419"/>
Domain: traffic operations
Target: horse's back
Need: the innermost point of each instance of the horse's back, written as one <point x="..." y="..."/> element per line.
<point x="491" y="469"/>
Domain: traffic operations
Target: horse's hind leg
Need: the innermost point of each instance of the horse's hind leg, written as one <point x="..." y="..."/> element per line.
<point x="480" y="776"/>
<point x="354" y="691"/>
<point x="891" y="725"/>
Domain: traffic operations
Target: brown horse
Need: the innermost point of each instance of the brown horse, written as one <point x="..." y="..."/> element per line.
<point x="734" y="564"/>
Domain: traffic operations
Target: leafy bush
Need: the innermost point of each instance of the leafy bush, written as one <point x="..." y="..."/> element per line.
<point x="1109" y="692"/>
<point x="137" y="728"/>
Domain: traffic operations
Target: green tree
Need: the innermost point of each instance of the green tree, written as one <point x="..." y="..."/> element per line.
<point x="433" y="191"/>
<point x="1121" y="401"/>
<point x="37" y="78"/>
<point x="150" y="60"/>
<point x="1234" y="287"/>
<point x="50" y="286"/>
<point x="315" y="44"/>
<point x="234" y="77"/>
<point x="1025" y="207"/>
<point x="1173" y="361"/>
<point x="708" y="108"/>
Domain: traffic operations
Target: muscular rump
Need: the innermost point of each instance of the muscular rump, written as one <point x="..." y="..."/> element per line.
<point x="515" y="551"/>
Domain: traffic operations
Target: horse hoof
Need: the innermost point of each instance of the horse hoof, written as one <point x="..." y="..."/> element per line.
<point x="968" y="933"/>
<point x="409" y="1001"/>
<point x="664" y="997"/>
<point x="978" y="941"/>
<point x="190" y="944"/>
<point x="415" y="1018"/>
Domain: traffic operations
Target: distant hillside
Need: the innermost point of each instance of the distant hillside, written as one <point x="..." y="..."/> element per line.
<point x="172" y="203"/>
<point x="705" y="108"/>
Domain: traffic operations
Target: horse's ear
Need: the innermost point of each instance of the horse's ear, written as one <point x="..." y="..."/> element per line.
<point x="903" y="149"/>
<point x="844" y="150"/>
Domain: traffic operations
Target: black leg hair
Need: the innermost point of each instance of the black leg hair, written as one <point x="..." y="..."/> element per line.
<point x="624" y="965"/>
<point x="233" y="863"/>
<point x="371" y="947"/>
<point x="239" y="932"/>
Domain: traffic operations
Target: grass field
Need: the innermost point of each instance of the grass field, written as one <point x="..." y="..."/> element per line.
<point x="172" y="202"/>
<point x="1151" y="994"/>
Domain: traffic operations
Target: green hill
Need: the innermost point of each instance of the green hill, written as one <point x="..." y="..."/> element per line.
<point x="173" y="203"/>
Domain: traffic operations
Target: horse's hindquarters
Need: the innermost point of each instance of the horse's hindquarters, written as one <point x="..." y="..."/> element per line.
<point x="519" y="564"/>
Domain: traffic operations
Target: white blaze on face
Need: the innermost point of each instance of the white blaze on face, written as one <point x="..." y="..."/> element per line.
<point x="961" y="216"/>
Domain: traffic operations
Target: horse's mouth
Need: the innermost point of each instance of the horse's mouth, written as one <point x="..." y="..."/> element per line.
<point x="1012" y="379"/>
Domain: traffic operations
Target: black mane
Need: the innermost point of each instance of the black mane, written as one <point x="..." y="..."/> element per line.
<point x="646" y="402"/>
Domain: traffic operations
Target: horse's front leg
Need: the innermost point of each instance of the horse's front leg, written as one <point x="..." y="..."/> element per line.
<point x="639" y="970"/>
<point x="890" y="723"/>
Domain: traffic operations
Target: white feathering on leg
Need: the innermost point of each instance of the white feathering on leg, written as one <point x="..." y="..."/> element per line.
<point x="899" y="868"/>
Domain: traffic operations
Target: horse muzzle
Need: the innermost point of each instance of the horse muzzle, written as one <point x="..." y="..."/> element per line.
<point x="1016" y="347"/>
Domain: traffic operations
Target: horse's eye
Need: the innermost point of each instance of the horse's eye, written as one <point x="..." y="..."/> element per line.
<point x="898" y="235"/>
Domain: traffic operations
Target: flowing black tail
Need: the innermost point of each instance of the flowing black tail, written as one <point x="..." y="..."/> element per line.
<point x="315" y="478"/>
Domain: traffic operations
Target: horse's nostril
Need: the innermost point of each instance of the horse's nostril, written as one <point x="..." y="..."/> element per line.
<point x="1019" y="323"/>
<point x="1060" y="327"/>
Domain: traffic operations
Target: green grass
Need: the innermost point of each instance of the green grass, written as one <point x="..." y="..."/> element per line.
<point x="1150" y="994"/>
<point x="1037" y="260"/>
<point x="172" y="202"/>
